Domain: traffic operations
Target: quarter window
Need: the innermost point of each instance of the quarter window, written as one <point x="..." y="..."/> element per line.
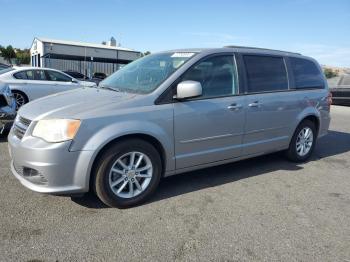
<point x="306" y="74"/>
<point x="56" y="76"/>
<point x="217" y="76"/>
<point x="265" y="73"/>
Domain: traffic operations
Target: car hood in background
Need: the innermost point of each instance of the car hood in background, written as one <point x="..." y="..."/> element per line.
<point x="76" y="103"/>
<point x="87" y="83"/>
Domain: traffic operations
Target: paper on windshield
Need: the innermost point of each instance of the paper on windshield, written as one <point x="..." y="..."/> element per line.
<point x="182" y="54"/>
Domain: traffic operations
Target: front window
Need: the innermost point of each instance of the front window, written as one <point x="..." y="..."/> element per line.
<point x="217" y="76"/>
<point x="146" y="74"/>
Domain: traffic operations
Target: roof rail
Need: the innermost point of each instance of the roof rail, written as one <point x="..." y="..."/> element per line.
<point x="259" y="48"/>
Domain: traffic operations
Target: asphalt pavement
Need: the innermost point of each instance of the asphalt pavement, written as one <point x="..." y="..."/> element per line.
<point x="262" y="209"/>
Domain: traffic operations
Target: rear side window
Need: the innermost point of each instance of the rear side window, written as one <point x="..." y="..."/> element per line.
<point x="56" y="76"/>
<point x="265" y="73"/>
<point x="306" y="74"/>
<point x="39" y="75"/>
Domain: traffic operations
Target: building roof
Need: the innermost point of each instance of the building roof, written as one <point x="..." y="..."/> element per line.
<point x="73" y="43"/>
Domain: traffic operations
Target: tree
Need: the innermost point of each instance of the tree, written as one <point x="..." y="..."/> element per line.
<point x="145" y="53"/>
<point x="329" y="73"/>
<point x="8" y="53"/>
<point x="23" y="57"/>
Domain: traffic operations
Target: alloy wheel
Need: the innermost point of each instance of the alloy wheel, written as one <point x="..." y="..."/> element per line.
<point x="20" y="100"/>
<point x="304" y="141"/>
<point x="130" y="174"/>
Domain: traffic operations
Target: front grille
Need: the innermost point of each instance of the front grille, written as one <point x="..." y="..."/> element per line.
<point x="3" y="101"/>
<point x="24" y="121"/>
<point x="20" y="126"/>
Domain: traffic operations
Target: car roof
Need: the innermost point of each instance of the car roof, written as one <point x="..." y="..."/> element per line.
<point x="242" y="49"/>
<point x="33" y="68"/>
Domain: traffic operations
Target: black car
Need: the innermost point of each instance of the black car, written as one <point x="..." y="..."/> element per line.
<point x="341" y="92"/>
<point x="99" y="75"/>
<point x="82" y="77"/>
<point x="3" y="66"/>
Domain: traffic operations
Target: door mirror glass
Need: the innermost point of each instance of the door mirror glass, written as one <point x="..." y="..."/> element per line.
<point x="188" y="89"/>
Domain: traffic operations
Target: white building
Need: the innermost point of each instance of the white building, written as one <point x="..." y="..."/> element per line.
<point x="85" y="58"/>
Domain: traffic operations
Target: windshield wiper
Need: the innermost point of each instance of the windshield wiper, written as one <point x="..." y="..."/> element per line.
<point x="110" y="88"/>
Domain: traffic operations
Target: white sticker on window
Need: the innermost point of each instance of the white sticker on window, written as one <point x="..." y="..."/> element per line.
<point x="182" y="54"/>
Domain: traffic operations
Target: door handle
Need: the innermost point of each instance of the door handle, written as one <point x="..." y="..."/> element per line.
<point x="254" y="104"/>
<point x="234" y="107"/>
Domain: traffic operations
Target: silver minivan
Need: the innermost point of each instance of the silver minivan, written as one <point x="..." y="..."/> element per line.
<point x="169" y="113"/>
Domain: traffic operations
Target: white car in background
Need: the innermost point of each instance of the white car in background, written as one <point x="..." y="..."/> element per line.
<point x="29" y="83"/>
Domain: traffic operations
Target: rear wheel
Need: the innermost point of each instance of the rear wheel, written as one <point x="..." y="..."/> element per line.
<point x="20" y="97"/>
<point x="303" y="142"/>
<point x="127" y="173"/>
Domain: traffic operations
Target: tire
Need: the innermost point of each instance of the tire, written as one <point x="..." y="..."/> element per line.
<point x="21" y="98"/>
<point x="295" y="152"/>
<point x="121" y="153"/>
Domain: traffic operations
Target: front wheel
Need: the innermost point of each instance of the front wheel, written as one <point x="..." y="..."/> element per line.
<point x="20" y="98"/>
<point x="303" y="142"/>
<point x="127" y="173"/>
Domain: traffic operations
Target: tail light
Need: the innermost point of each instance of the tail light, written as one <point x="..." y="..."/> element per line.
<point x="329" y="99"/>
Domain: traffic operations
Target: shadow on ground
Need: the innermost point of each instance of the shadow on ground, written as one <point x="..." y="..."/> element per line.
<point x="333" y="144"/>
<point x="3" y="138"/>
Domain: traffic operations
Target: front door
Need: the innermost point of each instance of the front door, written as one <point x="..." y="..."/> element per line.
<point x="61" y="81"/>
<point x="209" y="128"/>
<point x="38" y="85"/>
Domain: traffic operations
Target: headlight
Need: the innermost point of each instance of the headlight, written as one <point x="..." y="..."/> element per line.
<point x="56" y="130"/>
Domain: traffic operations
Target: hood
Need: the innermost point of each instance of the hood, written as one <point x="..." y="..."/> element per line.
<point x="74" y="104"/>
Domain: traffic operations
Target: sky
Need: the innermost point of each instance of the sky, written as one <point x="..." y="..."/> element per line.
<point x="316" y="28"/>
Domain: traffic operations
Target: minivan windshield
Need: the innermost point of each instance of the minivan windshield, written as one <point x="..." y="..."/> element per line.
<point x="145" y="74"/>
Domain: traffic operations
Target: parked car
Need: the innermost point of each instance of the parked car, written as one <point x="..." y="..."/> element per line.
<point x="99" y="75"/>
<point x="77" y="75"/>
<point x="83" y="77"/>
<point x="3" y="66"/>
<point x="169" y="113"/>
<point x="29" y="83"/>
<point x="341" y="92"/>
<point x="7" y="108"/>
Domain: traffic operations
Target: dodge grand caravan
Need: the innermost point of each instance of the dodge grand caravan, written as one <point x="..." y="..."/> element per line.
<point x="169" y="113"/>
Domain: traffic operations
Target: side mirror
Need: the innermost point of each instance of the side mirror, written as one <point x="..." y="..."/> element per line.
<point x="188" y="89"/>
<point x="75" y="81"/>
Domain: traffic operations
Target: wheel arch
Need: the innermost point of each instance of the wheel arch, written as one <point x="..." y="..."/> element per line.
<point x="146" y="137"/>
<point x="315" y="120"/>
<point x="16" y="90"/>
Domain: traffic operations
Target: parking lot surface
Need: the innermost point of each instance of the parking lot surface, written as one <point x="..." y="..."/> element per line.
<point x="262" y="209"/>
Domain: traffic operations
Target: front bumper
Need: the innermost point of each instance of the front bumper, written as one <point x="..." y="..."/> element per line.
<point x="49" y="167"/>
